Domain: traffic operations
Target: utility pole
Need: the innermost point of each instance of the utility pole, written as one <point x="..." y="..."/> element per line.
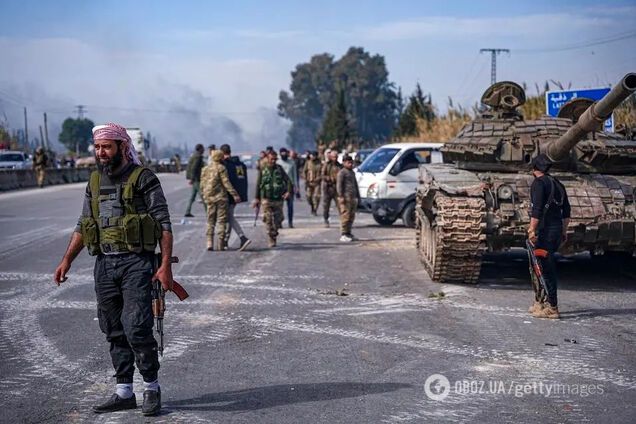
<point x="46" y="132"/>
<point x="80" y="111"/>
<point x="42" y="138"/>
<point x="493" y="61"/>
<point x="26" y="129"/>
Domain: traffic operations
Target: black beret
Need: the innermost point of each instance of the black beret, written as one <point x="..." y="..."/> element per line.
<point x="541" y="163"/>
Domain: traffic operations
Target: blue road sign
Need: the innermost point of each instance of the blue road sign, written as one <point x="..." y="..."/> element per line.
<point x="555" y="99"/>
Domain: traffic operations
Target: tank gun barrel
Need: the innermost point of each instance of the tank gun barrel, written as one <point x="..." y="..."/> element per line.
<point x="593" y="116"/>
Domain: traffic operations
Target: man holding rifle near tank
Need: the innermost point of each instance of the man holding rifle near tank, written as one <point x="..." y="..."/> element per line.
<point x="549" y="218"/>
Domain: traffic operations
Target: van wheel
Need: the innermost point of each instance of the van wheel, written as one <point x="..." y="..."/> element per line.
<point x="384" y="220"/>
<point x="408" y="215"/>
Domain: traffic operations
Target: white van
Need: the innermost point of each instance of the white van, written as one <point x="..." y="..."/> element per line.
<point x="389" y="177"/>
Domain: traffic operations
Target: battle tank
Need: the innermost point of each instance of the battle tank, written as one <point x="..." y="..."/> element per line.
<point x="478" y="200"/>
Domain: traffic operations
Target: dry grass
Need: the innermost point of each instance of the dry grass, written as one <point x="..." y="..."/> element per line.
<point x="625" y="114"/>
<point x="445" y="127"/>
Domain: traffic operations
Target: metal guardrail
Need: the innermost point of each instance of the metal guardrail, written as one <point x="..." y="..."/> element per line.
<point x="12" y="179"/>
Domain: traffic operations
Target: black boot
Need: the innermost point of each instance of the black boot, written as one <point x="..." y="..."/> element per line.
<point x="152" y="402"/>
<point x="115" y="403"/>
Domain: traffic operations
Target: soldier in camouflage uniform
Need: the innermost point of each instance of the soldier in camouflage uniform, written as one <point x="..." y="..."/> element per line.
<point x="40" y="162"/>
<point x="311" y="174"/>
<point x="215" y="187"/>
<point x="348" y="198"/>
<point x="328" y="175"/>
<point x="273" y="186"/>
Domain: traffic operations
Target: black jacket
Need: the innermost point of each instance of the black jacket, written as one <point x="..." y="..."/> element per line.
<point x="541" y="194"/>
<point x="237" y="173"/>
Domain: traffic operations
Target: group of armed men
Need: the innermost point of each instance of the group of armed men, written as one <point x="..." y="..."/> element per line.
<point x="222" y="184"/>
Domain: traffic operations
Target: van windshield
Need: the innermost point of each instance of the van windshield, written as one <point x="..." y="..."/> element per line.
<point x="11" y="157"/>
<point x="378" y="160"/>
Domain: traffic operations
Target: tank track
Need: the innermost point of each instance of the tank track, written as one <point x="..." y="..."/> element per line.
<point x="451" y="248"/>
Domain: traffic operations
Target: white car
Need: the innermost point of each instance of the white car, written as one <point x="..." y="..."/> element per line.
<point x="13" y="159"/>
<point x="389" y="177"/>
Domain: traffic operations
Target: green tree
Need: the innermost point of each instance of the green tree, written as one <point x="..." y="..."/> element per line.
<point x="76" y="134"/>
<point x="336" y="131"/>
<point x="419" y="107"/>
<point x="371" y="100"/>
<point x="312" y="91"/>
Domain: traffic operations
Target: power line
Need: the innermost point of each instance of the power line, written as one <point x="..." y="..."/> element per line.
<point x="580" y="45"/>
<point x="471" y="68"/>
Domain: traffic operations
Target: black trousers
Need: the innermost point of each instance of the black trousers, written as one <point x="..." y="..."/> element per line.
<point x="124" y="310"/>
<point x="549" y="238"/>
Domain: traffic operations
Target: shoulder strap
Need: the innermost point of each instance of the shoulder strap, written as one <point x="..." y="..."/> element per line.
<point x="548" y="202"/>
<point x="129" y="189"/>
<point x="93" y="185"/>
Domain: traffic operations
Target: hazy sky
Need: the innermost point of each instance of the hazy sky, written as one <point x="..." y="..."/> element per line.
<point x="206" y="71"/>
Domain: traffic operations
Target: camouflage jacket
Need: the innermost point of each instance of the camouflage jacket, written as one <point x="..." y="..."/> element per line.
<point x="40" y="160"/>
<point x="329" y="172"/>
<point x="215" y="183"/>
<point x="311" y="172"/>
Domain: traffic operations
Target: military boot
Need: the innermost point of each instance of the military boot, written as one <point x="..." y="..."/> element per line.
<point x="210" y="244"/>
<point x="549" y="312"/>
<point x="272" y="242"/>
<point x="536" y="306"/>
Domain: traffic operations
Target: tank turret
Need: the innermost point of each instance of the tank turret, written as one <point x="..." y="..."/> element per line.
<point x="592" y="119"/>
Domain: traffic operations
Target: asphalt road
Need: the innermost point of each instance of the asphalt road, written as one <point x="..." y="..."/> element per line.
<point x="265" y="338"/>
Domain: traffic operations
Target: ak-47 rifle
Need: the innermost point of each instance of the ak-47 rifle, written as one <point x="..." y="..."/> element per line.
<point x="159" y="302"/>
<point x="536" y="270"/>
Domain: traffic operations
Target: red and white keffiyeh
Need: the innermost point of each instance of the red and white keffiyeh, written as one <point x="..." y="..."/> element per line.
<point x="116" y="132"/>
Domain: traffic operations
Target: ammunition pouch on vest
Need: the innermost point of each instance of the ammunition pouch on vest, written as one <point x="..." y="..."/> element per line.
<point x="132" y="232"/>
<point x="272" y="183"/>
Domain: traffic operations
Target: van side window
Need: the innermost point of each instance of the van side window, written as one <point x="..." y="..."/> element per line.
<point x="411" y="160"/>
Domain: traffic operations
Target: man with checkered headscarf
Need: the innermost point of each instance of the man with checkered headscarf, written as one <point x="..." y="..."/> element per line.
<point x="124" y="217"/>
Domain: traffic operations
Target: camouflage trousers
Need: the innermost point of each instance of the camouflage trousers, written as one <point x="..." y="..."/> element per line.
<point x="312" y="192"/>
<point x="272" y="216"/>
<point x="40" y="175"/>
<point x="328" y="194"/>
<point x="347" y="214"/>
<point x="217" y="216"/>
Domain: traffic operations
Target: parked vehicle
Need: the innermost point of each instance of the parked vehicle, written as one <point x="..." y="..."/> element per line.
<point x="85" y="162"/>
<point x="14" y="159"/>
<point x="388" y="180"/>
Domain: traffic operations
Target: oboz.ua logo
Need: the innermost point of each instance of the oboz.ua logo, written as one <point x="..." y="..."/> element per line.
<point x="437" y="387"/>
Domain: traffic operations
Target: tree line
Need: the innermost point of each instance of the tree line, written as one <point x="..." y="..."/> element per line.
<point x="348" y="103"/>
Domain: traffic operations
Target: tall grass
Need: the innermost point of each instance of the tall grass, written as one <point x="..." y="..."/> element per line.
<point x="445" y="127"/>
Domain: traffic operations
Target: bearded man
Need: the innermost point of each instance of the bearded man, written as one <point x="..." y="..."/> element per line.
<point x="124" y="217"/>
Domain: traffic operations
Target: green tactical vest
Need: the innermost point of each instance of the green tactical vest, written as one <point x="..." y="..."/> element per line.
<point x="272" y="183"/>
<point x="131" y="232"/>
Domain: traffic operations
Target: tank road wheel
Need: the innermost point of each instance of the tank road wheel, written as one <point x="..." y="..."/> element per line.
<point x="426" y="243"/>
<point x="452" y="245"/>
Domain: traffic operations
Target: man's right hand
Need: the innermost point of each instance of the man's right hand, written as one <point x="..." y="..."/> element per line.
<point x="60" y="272"/>
<point x="255" y="203"/>
<point x="190" y="182"/>
<point x="237" y="199"/>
